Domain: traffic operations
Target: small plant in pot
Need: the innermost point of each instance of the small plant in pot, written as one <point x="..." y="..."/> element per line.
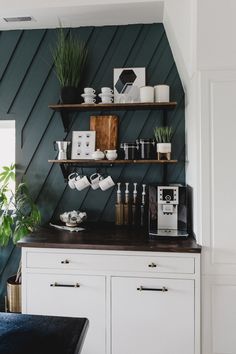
<point x="163" y="137"/>
<point x="69" y="55"/>
<point x="18" y="217"/>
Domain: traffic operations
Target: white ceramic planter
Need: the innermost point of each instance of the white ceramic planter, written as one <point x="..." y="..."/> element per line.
<point x="164" y="151"/>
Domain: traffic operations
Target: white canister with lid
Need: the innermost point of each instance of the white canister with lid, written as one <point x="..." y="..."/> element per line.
<point x="98" y="155"/>
<point x="162" y="93"/>
<point x="146" y="94"/>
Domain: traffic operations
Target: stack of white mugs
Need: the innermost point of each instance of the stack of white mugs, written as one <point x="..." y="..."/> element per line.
<point x="89" y="95"/>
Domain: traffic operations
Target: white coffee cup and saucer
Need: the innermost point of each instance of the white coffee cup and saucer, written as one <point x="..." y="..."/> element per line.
<point x="106" y="91"/>
<point x="88" y="99"/>
<point x="89" y="91"/>
<point x="106" y="98"/>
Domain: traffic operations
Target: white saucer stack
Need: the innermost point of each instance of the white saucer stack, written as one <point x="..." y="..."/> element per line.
<point x="89" y="95"/>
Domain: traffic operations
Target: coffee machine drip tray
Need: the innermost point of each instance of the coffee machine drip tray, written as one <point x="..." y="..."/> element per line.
<point x="169" y="233"/>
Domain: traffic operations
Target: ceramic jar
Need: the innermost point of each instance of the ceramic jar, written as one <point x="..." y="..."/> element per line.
<point x="98" y="155"/>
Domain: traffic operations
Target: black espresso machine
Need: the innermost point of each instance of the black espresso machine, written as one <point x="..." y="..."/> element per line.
<point x="168" y="211"/>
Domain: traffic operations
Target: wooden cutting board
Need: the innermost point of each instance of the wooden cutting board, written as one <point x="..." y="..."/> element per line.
<point x="106" y="128"/>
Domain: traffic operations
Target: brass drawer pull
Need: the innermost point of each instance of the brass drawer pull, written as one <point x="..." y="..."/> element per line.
<point x="163" y="289"/>
<point x="65" y="261"/>
<point x="76" y="285"/>
<point x="152" y="265"/>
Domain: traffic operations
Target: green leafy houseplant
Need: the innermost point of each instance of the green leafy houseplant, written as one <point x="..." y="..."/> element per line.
<point x="18" y="213"/>
<point x="163" y="134"/>
<point x="69" y="55"/>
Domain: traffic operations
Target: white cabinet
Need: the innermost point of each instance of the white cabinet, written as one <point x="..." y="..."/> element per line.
<point x="72" y="296"/>
<point x="153" y="316"/>
<point x="118" y="291"/>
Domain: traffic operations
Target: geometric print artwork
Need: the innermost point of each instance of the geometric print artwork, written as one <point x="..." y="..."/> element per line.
<point x="127" y="82"/>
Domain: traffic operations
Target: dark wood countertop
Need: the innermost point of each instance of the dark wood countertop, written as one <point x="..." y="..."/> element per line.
<point x="107" y="237"/>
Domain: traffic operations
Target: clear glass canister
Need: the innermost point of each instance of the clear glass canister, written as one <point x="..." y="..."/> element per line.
<point x="130" y="151"/>
<point x="147" y="148"/>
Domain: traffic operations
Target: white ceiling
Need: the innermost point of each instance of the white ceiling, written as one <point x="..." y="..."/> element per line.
<point x="76" y="13"/>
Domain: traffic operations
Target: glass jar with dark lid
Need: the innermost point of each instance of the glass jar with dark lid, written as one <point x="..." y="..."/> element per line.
<point x="147" y="148"/>
<point x="130" y="150"/>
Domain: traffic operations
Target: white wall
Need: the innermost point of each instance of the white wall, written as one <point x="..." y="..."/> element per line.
<point x="216" y="32"/>
<point x="217" y="67"/>
<point x="205" y="51"/>
<point x="180" y="23"/>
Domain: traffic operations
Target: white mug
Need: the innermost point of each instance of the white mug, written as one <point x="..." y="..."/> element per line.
<point x="106" y="183"/>
<point x="107" y="99"/>
<point x="71" y="179"/>
<point x="95" y="178"/>
<point x="89" y="90"/>
<point x="146" y="94"/>
<point x="162" y="93"/>
<point x="106" y="90"/>
<point x="82" y="183"/>
<point x="111" y="154"/>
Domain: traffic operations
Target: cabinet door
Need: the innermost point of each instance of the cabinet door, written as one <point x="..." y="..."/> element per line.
<point x="152" y="321"/>
<point x="85" y="300"/>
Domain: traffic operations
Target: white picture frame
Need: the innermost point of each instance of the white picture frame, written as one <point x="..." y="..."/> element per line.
<point x="127" y="82"/>
<point x="83" y="144"/>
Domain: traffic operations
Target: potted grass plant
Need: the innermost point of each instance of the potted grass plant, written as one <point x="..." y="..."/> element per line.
<point x="163" y="136"/>
<point x="69" y="55"/>
<point x="18" y="217"/>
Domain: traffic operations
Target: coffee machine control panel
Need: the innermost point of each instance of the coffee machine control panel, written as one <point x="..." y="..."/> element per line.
<point x="168" y="196"/>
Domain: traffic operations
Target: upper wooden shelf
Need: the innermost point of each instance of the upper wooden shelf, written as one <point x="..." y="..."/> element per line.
<point x="65" y="109"/>
<point x="114" y="106"/>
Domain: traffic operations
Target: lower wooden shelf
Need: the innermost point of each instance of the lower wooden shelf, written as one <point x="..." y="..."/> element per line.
<point x="111" y="162"/>
<point x="68" y="165"/>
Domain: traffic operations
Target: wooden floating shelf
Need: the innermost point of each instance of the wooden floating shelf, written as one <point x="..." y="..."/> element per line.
<point x="114" y="106"/>
<point x="112" y="162"/>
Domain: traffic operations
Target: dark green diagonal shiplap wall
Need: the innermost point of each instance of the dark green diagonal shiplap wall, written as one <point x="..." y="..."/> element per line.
<point x="28" y="84"/>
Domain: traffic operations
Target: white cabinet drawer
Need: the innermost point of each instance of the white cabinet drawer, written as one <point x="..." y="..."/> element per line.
<point x="105" y="262"/>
